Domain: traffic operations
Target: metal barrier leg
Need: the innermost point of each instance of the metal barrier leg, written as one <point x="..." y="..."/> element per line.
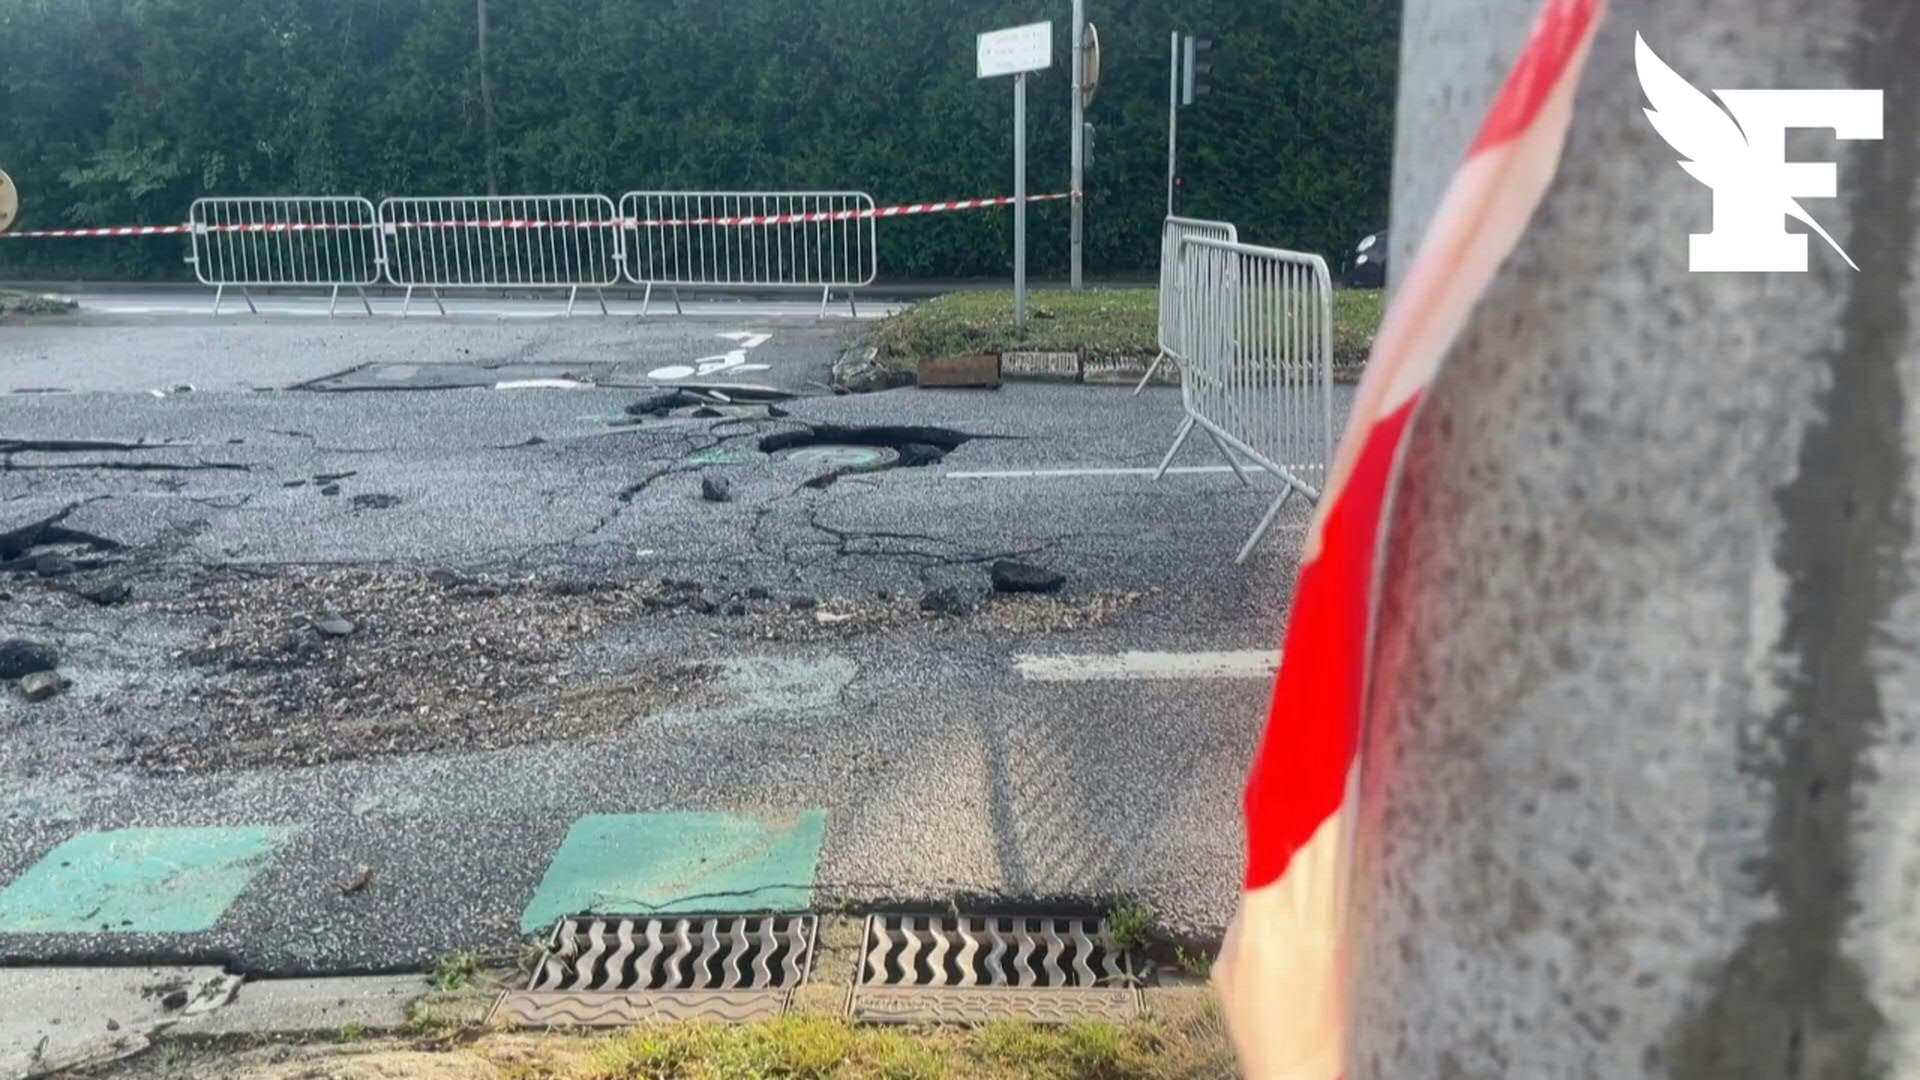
<point x="333" y="301"/>
<point x="1233" y="462"/>
<point x="1151" y="368"/>
<point x="602" y="294"/>
<point x="1265" y="523"/>
<point x="437" y="301"/>
<point x="248" y="297"/>
<point x="646" y="300"/>
<point x="572" y="295"/>
<point x="407" y="302"/>
<point x="1186" y="429"/>
<point x="852" y="308"/>
<point x="218" y="292"/>
<point x="364" y="302"/>
<point x="677" y="309"/>
<point x="825" y="294"/>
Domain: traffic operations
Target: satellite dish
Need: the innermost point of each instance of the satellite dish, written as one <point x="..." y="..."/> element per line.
<point x="9" y="202"/>
<point x="1090" y="70"/>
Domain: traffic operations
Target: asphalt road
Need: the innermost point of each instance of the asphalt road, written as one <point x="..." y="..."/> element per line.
<point x="832" y="743"/>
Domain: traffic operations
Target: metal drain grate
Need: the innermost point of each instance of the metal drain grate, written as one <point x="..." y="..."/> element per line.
<point x="613" y="971"/>
<point x="940" y="969"/>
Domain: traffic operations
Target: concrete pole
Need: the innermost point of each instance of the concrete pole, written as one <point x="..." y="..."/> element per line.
<point x="1639" y="792"/>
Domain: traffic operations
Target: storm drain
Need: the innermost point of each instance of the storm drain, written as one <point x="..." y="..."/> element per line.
<point x="933" y="969"/>
<point x="612" y="971"/>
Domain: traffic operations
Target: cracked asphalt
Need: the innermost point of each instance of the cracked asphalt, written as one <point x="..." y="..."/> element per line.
<point x="943" y="772"/>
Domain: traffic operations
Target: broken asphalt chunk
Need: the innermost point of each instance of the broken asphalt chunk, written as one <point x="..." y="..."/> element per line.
<point x="1014" y="576"/>
<point x="42" y="685"/>
<point x="947" y="600"/>
<point x="108" y="595"/>
<point x="333" y="626"/>
<point x="20" y="658"/>
<point x="716" y="489"/>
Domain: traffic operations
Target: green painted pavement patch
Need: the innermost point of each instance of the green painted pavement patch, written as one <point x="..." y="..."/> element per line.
<point x="139" y="881"/>
<point x="679" y="862"/>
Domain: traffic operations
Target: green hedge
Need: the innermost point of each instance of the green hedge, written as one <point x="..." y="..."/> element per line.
<point x="122" y="111"/>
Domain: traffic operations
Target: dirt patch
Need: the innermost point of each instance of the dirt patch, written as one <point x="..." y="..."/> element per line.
<point x="317" y="666"/>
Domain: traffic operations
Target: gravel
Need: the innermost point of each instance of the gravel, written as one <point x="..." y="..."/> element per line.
<point x="422" y="666"/>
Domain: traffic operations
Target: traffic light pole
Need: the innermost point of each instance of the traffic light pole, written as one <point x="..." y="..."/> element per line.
<point x="1079" y="137"/>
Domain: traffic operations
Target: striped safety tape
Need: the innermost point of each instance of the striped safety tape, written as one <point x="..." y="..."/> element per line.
<point x="905" y="210"/>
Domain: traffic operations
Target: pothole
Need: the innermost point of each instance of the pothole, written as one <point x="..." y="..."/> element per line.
<point x="844" y="457"/>
<point x="846" y="450"/>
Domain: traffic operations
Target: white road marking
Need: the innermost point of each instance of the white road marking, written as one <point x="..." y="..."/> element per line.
<point x="541" y="384"/>
<point x="1039" y="474"/>
<point x="1242" y="664"/>
<point x="1030" y="474"/>
<point x="732" y="362"/>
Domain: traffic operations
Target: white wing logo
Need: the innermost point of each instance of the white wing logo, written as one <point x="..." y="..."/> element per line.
<point x="1713" y="149"/>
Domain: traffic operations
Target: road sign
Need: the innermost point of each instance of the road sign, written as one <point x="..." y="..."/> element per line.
<point x="1016" y="50"/>
<point x="1090" y="78"/>
<point x="9" y="201"/>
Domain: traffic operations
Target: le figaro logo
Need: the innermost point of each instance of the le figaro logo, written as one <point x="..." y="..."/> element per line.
<point x="1740" y="152"/>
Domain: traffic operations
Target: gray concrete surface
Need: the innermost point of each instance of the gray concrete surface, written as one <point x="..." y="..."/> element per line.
<point x="1637" y="795"/>
<point x="945" y="773"/>
<point x="60" y="1018"/>
<point x="312" y="1006"/>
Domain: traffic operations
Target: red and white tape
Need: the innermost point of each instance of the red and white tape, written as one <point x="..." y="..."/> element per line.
<point x="904" y="210"/>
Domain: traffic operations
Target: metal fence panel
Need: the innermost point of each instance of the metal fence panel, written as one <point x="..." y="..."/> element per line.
<point x="1172" y="233"/>
<point x="568" y="242"/>
<point x="1257" y="330"/>
<point x="256" y="242"/>
<point x="821" y="240"/>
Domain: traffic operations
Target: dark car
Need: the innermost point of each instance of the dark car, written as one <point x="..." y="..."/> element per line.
<point x="1367" y="262"/>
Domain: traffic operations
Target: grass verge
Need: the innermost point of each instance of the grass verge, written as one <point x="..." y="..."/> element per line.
<point x="1112" y="322"/>
<point x="1188" y="1045"/>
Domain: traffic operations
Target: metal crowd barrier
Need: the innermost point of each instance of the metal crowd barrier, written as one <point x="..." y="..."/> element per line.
<point x="823" y="240"/>
<point x="1257" y="367"/>
<point x="570" y="242"/>
<point x="247" y="243"/>
<point x="1175" y="230"/>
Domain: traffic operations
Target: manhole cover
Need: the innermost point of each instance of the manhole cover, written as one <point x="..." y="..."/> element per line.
<point x="845" y="457"/>
<point x="922" y="969"/>
<point x="612" y="972"/>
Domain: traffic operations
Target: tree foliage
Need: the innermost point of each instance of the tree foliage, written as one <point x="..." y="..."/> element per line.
<point x="123" y="111"/>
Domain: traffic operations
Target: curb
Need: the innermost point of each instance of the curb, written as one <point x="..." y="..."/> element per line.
<point x="1079" y="366"/>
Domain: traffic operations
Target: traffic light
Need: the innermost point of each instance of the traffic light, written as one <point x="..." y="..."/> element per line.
<point x="1199" y="69"/>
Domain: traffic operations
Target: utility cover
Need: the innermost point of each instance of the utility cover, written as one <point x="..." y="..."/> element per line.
<point x="932" y="969"/>
<point x="615" y="971"/>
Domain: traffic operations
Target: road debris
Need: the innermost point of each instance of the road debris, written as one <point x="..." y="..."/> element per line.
<point x="1014" y="576"/>
<point x="947" y="600"/>
<point x="42" y="685"/>
<point x="358" y="882"/>
<point x="487" y="664"/>
<point x="333" y="626"/>
<point x="111" y="594"/>
<point x="20" y="658"/>
<point x="376" y="501"/>
<point x="716" y="489"/>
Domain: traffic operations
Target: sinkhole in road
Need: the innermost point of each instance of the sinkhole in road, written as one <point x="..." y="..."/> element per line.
<point x="866" y="448"/>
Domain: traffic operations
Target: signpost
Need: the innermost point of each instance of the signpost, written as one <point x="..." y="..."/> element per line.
<point x="1015" y="52"/>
